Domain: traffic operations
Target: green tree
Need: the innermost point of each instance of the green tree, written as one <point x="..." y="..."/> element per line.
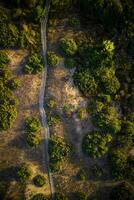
<point x="68" y="46"/>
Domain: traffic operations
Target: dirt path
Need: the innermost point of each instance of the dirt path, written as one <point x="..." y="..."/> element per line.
<point x="42" y="94"/>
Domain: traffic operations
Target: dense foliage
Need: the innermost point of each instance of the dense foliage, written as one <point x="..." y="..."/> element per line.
<point x="123" y="191"/>
<point x="34" y="65"/>
<point x="95" y="144"/>
<point x="58" y="151"/>
<point x="39" y="196"/>
<point x="68" y="46"/>
<point x="60" y="196"/>
<point x="24" y="173"/>
<point x="39" y="180"/>
<point x="53" y="59"/>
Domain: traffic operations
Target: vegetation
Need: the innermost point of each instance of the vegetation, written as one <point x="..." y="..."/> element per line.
<point x="81" y="196"/>
<point x="24" y="173"/>
<point x="39" y="180"/>
<point x="33" y="140"/>
<point x="39" y="196"/>
<point x="85" y="82"/>
<point x="58" y="151"/>
<point x="68" y="46"/>
<point x="53" y="59"/>
<point x="123" y="191"/>
<point x="53" y="119"/>
<point x="14" y="84"/>
<point x="60" y="196"/>
<point x="82" y="175"/>
<point x="70" y="63"/>
<point x="32" y="124"/>
<point x="97" y="171"/>
<point x="4" y="60"/>
<point x="34" y="65"/>
<point x="95" y="144"/>
<point x="82" y="113"/>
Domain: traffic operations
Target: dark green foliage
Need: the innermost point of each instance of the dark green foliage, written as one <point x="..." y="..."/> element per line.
<point x="53" y="59"/>
<point x="108" y="82"/>
<point x="122" y="191"/>
<point x="39" y="180"/>
<point x="128" y="128"/>
<point x="58" y="151"/>
<point x="70" y="63"/>
<point x="33" y="140"/>
<point x="118" y="163"/>
<point x="95" y="144"/>
<point x="97" y="171"/>
<point x="53" y="119"/>
<point x="85" y="82"/>
<point x="82" y="176"/>
<point x="81" y="196"/>
<point x="60" y="196"/>
<point x="37" y="13"/>
<point x="14" y="84"/>
<point x="68" y="46"/>
<point x="34" y="65"/>
<point x="3" y="58"/>
<point x="24" y="173"/>
<point x="9" y="34"/>
<point x="39" y="196"/>
<point x="32" y="124"/>
<point x="105" y="117"/>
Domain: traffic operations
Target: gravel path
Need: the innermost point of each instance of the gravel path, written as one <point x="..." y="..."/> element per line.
<point x="42" y="94"/>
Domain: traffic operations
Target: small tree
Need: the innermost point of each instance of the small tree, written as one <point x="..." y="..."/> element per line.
<point x="32" y="124"/>
<point x="53" y="59"/>
<point x="33" y="140"/>
<point x="24" y="173"/>
<point x="39" y="180"/>
<point x="68" y="46"/>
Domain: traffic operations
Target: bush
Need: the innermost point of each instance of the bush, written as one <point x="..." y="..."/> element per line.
<point x="3" y="58"/>
<point x="14" y="84"/>
<point x="24" y="173"/>
<point x="84" y="80"/>
<point x="95" y="144"/>
<point x="128" y="128"/>
<point x="53" y="119"/>
<point x="34" y="65"/>
<point x="105" y="118"/>
<point x="58" y="151"/>
<point x="33" y="140"/>
<point x="39" y="196"/>
<point x="118" y="163"/>
<point x="122" y="191"/>
<point x="97" y="171"/>
<point x="68" y="46"/>
<point x="70" y="63"/>
<point x="39" y="180"/>
<point x="82" y="176"/>
<point x="51" y="103"/>
<point x="82" y="113"/>
<point x="108" y="82"/>
<point x="53" y="59"/>
<point x="81" y="196"/>
<point x="74" y="22"/>
<point x="8" y="115"/>
<point x="32" y="124"/>
<point x="60" y="196"/>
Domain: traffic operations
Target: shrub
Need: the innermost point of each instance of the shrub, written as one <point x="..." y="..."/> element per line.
<point x="53" y="119"/>
<point x="32" y="124"/>
<point x="81" y="196"/>
<point x="85" y="82"/>
<point x="82" y="176"/>
<point x="14" y="84"/>
<point x="118" y="163"/>
<point x="39" y="180"/>
<point x="95" y="144"/>
<point x="74" y="22"/>
<point x="106" y="119"/>
<point x="97" y="171"/>
<point x="24" y="173"/>
<point x="8" y="115"/>
<point x="108" y="82"/>
<point x="68" y="46"/>
<point x="34" y="65"/>
<point x="82" y="113"/>
<point x="122" y="191"/>
<point x="33" y="140"/>
<point x="37" y="13"/>
<point x="53" y="59"/>
<point x="3" y="58"/>
<point x="60" y="196"/>
<point x="52" y="103"/>
<point x="70" y="63"/>
<point x="39" y="196"/>
<point x="58" y="150"/>
<point x="128" y="128"/>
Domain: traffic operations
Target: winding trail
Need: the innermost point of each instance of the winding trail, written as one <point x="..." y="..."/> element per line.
<point x="42" y="93"/>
